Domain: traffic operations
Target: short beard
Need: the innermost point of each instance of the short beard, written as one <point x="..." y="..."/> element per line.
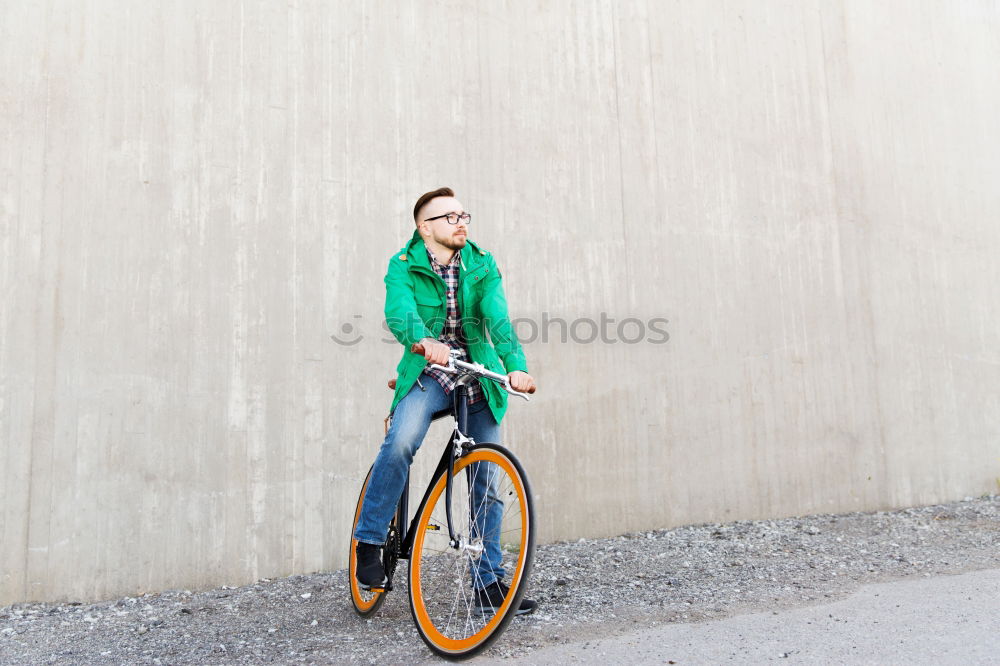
<point x="453" y="243"/>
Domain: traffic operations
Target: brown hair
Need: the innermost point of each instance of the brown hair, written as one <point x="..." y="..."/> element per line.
<point x="424" y="198"/>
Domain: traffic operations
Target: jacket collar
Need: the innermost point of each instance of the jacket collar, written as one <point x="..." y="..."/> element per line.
<point x="416" y="250"/>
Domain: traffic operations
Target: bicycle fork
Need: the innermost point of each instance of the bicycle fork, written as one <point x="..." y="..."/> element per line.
<point x="459" y="440"/>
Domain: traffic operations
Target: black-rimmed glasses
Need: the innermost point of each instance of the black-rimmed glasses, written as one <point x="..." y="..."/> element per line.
<point x="453" y="218"/>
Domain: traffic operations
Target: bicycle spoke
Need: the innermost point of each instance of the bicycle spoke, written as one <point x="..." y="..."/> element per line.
<point x="454" y="605"/>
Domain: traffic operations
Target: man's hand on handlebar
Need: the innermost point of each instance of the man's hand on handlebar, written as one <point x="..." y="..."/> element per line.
<point x="438" y="353"/>
<point x="435" y="352"/>
<point x="521" y="381"/>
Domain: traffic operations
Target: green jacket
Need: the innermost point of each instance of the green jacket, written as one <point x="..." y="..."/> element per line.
<point x="415" y="309"/>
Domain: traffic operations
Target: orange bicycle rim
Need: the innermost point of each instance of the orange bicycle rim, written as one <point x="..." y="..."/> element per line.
<point x="421" y="615"/>
<point x="360" y="602"/>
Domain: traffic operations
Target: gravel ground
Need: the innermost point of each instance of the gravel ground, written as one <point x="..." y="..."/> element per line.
<point x="586" y="589"/>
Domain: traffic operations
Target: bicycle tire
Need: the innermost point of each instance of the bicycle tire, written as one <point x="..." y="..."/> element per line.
<point x="438" y="573"/>
<point x="365" y="602"/>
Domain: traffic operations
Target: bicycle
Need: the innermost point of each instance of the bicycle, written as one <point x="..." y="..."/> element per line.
<point x="446" y="536"/>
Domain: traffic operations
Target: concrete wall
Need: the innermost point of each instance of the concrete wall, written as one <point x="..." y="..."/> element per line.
<point x="195" y="196"/>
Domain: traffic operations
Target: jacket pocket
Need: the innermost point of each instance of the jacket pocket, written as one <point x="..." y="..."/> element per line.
<point x="472" y="292"/>
<point x="428" y="299"/>
<point x="430" y="307"/>
<point x="474" y="277"/>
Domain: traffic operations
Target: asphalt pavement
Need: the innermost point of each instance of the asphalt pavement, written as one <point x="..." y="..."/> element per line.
<point x="945" y="619"/>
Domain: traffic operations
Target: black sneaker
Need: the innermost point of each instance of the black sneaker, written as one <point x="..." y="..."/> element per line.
<point x="369" y="570"/>
<point x="490" y="598"/>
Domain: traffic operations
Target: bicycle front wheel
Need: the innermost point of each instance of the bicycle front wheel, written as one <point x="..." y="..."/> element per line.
<point x="492" y="515"/>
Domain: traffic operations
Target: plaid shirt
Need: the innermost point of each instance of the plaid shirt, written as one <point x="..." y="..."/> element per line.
<point x="451" y="334"/>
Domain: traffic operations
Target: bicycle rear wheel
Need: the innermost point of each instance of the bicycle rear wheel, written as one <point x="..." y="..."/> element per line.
<point x="366" y="602"/>
<point x="493" y="520"/>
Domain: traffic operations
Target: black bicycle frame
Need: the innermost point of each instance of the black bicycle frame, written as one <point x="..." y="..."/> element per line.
<point x="447" y="463"/>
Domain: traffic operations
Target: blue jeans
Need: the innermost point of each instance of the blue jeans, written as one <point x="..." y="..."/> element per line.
<point x="410" y="422"/>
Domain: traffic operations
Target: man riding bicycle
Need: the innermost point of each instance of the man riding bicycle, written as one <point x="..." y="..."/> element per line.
<point x="445" y="292"/>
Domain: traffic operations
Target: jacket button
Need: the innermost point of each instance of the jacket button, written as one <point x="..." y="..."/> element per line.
<point x="403" y="257"/>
